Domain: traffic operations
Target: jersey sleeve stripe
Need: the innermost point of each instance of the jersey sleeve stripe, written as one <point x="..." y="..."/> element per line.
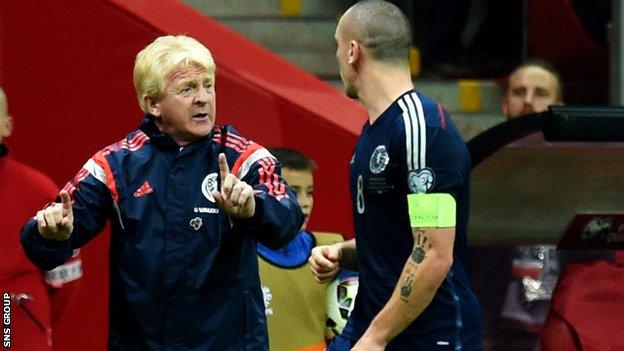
<point x="413" y="118"/>
<point x="280" y="188"/>
<point x="134" y="144"/>
<point x="232" y="140"/>
<point x="95" y="170"/>
<point x="270" y="179"/>
<point x="238" y="138"/>
<point x="266" y="174"/>
<point x="252" y="154"/>
<point x="232" y="143"/>
<point x="235" y="147"/>
<point x="416" y="127"/>
<point x="422" y="139"/>
<point x="101" y="160"/>
<point x="71" y="186"/>
<point x="409" y="142"/>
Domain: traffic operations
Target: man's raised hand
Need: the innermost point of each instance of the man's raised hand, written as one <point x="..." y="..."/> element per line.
<point x="235" y="197"/>
<point x="56" y="222"/>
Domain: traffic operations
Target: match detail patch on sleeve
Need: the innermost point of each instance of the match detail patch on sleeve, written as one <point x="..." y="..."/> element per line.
<point x="431" y="210"/>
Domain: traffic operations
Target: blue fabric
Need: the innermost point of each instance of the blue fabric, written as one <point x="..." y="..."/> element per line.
<point x="183" y="274"/>
<point x="340" y="343"/>
<point x="390" y="161"/>
<point x="292" y="255"/>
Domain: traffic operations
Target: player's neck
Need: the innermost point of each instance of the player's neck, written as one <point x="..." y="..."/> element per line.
<point x="382" y="85"/>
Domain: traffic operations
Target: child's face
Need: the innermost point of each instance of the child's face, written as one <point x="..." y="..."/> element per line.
<point x="302" y="183"/>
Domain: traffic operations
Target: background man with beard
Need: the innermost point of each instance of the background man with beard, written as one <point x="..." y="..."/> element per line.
<point x="510" y="320"/>
<point x="531" y="88"/>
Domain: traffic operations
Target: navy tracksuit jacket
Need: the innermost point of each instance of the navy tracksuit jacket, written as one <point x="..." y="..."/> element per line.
<point x="183" y="274"/>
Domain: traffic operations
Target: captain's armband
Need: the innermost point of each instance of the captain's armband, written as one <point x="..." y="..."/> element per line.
<point x="431" y="210"/>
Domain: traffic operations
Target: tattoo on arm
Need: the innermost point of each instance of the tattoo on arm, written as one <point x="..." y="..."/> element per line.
<point x="420" y="247"/>
<point x="416" y="257"/>
<point x="406" y="287"/>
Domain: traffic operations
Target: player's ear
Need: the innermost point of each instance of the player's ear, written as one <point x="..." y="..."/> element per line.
<point x="354" y="52"/>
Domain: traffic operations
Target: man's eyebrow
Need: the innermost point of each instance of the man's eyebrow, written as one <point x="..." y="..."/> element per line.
<point x="184" y="82"/>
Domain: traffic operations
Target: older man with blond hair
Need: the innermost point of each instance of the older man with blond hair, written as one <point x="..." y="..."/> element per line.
<point x="187" y="201"/>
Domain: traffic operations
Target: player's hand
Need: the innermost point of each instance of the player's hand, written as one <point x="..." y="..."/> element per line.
<point x="56" y="222"/>
<point x="324" y="262"/>
<point x="235" y="197"/>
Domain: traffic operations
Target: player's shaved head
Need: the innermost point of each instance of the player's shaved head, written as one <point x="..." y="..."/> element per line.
<point x="380" y="27"/>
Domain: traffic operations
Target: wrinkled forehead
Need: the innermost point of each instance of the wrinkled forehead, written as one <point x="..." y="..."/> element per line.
<point x="186" y="73"/>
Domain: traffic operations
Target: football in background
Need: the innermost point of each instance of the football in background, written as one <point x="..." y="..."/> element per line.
<point x="341" y="299"/>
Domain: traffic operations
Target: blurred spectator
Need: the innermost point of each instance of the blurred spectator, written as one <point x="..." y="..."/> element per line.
<point x="295" y="304"/>
<point x="530" y="272"/>
<point x="531" y="88"/>
<point x="38" y="298"/>
<point x="513" y="308"/>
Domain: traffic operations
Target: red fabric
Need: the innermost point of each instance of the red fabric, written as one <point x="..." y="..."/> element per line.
<point x="590" y="300"/>
<point x="23" y="192"/>
<point x="555" y="33"/>
<point x="558" y="335"/>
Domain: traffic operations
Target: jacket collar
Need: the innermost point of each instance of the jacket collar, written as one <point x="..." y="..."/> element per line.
<point x="163" y="140"/>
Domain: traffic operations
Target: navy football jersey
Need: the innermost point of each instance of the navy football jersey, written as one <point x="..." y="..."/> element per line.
<point x="413" y="147"/>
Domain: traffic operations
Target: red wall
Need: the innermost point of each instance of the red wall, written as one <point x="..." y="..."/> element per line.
<point x="67" y="70"/>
